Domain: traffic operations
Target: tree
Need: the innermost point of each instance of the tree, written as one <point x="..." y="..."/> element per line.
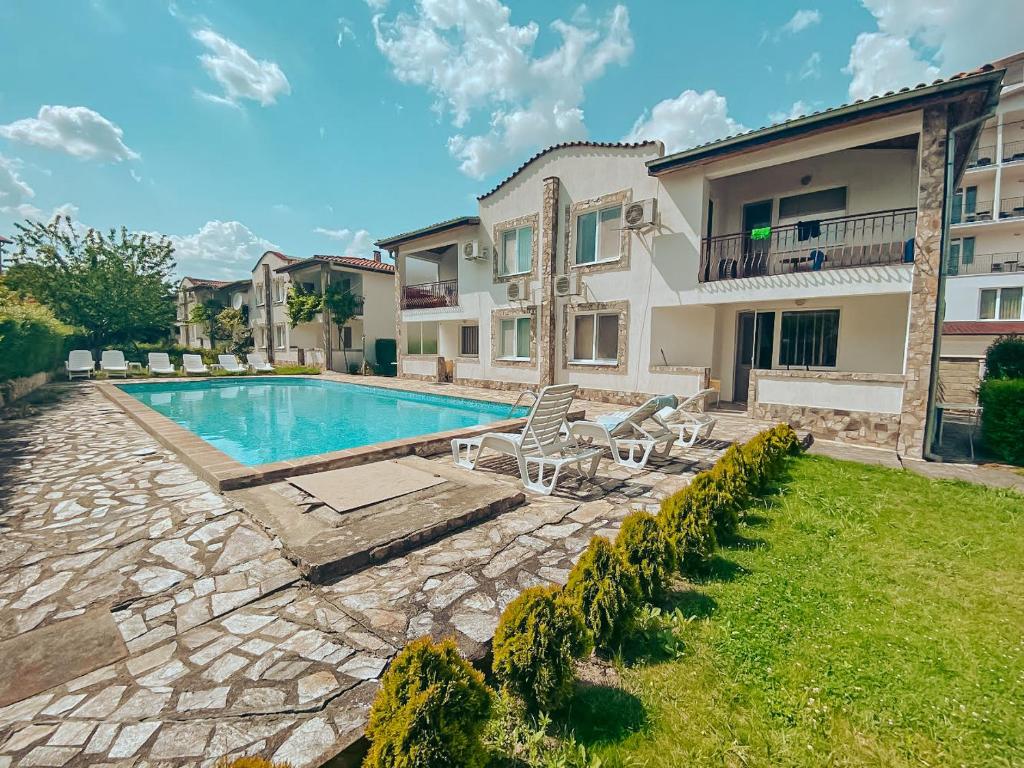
<point x="233" y="328"/>
<point x="205" y="315"/>
<point x="115" y="287"/>
<point x="343" y="306"/>
<point x="303" y="305"/>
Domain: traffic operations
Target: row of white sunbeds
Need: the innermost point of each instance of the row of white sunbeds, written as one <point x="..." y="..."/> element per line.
<point x="80" y="364"/>
<point x="549" y="442"/>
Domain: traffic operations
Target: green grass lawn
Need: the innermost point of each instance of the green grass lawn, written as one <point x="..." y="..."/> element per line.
<point x="866" y="617"/>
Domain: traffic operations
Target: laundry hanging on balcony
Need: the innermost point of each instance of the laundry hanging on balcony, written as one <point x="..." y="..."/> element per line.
<point x="805" y="230"/>
<point x="760" y="233"/>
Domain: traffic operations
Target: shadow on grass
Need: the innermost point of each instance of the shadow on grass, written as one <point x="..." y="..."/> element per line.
<point x="601" y="714"/>
<point x="693" y="604"/>
<point x="738" y="541"/>
<point x="717" y="569"/>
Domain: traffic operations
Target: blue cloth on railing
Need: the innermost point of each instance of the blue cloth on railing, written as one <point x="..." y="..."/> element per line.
<point x="908" y="251"/>
<point x="817" y="259"/>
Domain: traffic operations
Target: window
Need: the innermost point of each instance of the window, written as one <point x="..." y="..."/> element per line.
<point x="961" y="252"/>
<point x="469" y="341"/>
<point x="516" y="251"/>
<point x="346" y="337"/>
<point x="280" y="291"/>
<point x="514" y="339"/>
<point x="260" y="294"/>
<point x="596" y="338"/>
<point x="597" y="235"/>
<point x="827" y="201"/>
<point x="422" y="338"/>
<point x="1000" y="304"/>
<point x="280" y="340"/>
<point x="809" y="338"/>
<point x="965" y="203"/>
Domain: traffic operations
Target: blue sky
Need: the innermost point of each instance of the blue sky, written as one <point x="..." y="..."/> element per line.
<point x="316" y="127"/>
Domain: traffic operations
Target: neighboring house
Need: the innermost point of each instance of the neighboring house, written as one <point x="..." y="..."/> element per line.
<point x="984" y="287"/>
<point x="795" y="267"/>
<point x="194" y="292"/>
<point x="268" y="309"/>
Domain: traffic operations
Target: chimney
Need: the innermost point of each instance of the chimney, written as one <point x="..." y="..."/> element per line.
<point x="376" y="255"/>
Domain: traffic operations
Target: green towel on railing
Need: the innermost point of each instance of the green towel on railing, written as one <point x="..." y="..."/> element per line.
<point x="760" y="233"/>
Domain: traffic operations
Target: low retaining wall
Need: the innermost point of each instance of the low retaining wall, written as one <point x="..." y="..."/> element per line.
<point x="959" y="378"/>
<point x="18" y="388"/>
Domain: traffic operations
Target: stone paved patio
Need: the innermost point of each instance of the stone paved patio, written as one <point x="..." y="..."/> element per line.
<point x="228" y="650"/>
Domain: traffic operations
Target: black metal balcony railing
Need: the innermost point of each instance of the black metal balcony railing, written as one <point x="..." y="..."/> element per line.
<point x="884" y="237"/>
<point x="444" y="293"/>
<point x="982" y="156"/>
<point x="984" y="263"/>
<point x="1013" y="151"/>
<point x="1009" y="208"/>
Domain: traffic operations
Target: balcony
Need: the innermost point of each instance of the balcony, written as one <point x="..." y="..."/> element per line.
<point x="982" y="157"/>
<point x="843" y="242"/>
<point x="985" y="264"/>
<point x="1013" y="151"/>
<point x="981" y="210"/>
<point x="444" y="293"/>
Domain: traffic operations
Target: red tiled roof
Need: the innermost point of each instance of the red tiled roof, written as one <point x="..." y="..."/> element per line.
<point x="982" y="327"/>
<point x="355" y="262"/>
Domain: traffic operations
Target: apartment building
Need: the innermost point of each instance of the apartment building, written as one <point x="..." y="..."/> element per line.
<point x="264" y="298"/>
<point x="985" y="270"/>
<point x="795" y="268"/>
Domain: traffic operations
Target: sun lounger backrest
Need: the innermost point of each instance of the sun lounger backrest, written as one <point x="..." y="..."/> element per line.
<point x="112" y="358"/>
<point x="228" y="361"/>
<point x="256" y="359"/>
<point x="159" y="360"/>
<point x="642" y="413"/>
<point x="80" y="359"/>
<point x="194" y="362"/>
<point x="542" y="433"/>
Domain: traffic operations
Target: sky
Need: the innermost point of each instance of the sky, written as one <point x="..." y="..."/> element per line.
<point x="317" y="127"/>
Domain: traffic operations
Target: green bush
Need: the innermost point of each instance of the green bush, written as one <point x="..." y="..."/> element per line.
<point x="31" y="338"/>
<point x="604" y="591"/>
<point x="686" y="519"/>
<point x="1002" y="420"/>
<point x="1005" y="358"/>
<point x="538" y="637"/>
<point x="647" y="553"/>
<point x="729" y="489"/>
<point x="386" y="354"/>
<point x="430" y="710"/>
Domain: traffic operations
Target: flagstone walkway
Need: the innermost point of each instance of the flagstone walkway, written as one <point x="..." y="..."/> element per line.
<point x="217" y="646"/>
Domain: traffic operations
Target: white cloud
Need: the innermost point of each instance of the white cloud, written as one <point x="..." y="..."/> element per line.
<point x="798" y="109"/>
<point x="811" y="67"/>
<point x="801" y="20"/>
<point x="239" y="74"/>
<point x="917" y="42"/>
<point x="78" y="131"/>
<point x="345" y="31"/>
<point x="377" y="5"/>
<point x="357" y="243"/>
<point x="14" y="192"/>
<point x="690" y="119"/>
<point x="473" y="59"/>
<point x="219" y="250"/>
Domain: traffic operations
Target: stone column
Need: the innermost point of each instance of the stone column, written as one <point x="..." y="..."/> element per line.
<point x="922" y="316"/>
<point x="548" y="268"/>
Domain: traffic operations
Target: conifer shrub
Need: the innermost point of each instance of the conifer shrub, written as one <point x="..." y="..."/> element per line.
<point x="647" y="553"/>
<point x="687" y="523"/>
<point x="539" y="636"/>
<point x="729" y="490"/>
<point x="604" y="591"/>
<point x="430" y="710"/>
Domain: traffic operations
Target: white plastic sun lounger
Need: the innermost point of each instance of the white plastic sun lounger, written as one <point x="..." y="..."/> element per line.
<point x="544" y="444"/>
<point x="633" y="436"/>
<point x="258" y="363"/>
<point x="230" y="364"/>
<point x="80" y="364"/>
<point x="160" y="363"/>
<point x="113" y="363"/>
<point x="689" y="424"/>
<point x="194" y="365"/>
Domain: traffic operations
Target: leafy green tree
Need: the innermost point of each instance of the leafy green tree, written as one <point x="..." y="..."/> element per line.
<point x="303" y="305"/>
<point x="114" y="287"/>
<point x="343" y="306"/>
<point x="205" y="315"/>
<point x="232" y="328"/>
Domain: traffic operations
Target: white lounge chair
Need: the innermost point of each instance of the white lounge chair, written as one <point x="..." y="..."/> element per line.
<point x="230" y="364"/>
<point x="689" y="424"/>
<point x="194" y="365"/>
<point x="80" y="364"/>
<point x="160" y="363"/>
<point x="259" y="363"/>
<point x="633" y="436"/>
<point x="545" y="443"/>
<point x="113" y="363"/>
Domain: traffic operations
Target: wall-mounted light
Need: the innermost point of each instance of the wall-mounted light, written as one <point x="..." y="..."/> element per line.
<point x="805" y="180"/>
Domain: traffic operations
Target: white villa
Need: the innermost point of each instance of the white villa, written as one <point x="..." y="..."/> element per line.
<point x="265" y="300"/>
<point x="795" y="268"/>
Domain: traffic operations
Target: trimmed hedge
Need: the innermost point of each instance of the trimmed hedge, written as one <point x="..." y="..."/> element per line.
<point x="430" y="710"/>
<point x="1004" y="358"/>
<point x="647" y="553"/>
<point x="685" y="517"/>
<point x="538" y="638"/>
<point x="604" y="591"/>
<point x="31" y="338"/>
<point x="1002" y="420"/>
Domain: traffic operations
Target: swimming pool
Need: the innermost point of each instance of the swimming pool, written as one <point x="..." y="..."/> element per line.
<point x="258" y="421"/>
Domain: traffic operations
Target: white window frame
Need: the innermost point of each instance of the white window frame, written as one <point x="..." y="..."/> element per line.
<point x="594" y="359"/>
<point x="999" y="304"/>
<point x="261" y="294"/>
<point x="597" y="236"/>
<point x="284" y="336"/>
<point x="280" y="290"/>
<point x="502" y="259"/>
<point x="418" y="326"/>
<point x="515" y="338"/>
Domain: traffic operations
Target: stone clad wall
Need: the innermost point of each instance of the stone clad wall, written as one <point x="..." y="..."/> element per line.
<point x="959" y="379"/>
<point x="18" y="388"/>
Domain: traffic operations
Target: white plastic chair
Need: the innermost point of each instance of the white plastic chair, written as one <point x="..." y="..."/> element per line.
<point x="545" y="443"/>
<point x="230" y="364"/>
<point x="193" y="364"/>
<point x="80" y="364"/>
<point x="258" y="363"/>
<point x="160" y="363"/>
<point x="689" y="424"/>
<point x="113" y="363"/>
<point x="633" y="436"/>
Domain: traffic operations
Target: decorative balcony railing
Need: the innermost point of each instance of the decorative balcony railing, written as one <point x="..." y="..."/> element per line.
<point x="884" y="237"/>
<point x="444" y="293"/>
<point x="982" y="210"/>
<point x="984" y="263"/>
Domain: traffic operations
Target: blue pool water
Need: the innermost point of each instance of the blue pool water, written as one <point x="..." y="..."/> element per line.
<point x="257" y="421"/>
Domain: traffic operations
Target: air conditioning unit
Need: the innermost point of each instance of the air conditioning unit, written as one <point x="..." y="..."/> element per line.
<point x="640" y="214"/>
<point x="472" y="251"/>
<point x="567" y="285"/>
<point x="515" y="290"/>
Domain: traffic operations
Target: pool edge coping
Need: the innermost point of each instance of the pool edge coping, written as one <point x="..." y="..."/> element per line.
<point x="227" y="474"/>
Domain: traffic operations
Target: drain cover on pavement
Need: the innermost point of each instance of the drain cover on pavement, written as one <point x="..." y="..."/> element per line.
<point x="354" y="487"/>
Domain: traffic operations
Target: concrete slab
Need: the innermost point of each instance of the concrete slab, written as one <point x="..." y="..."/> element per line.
<point x="355" y="487"/>
<point x="40" y="659"/>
